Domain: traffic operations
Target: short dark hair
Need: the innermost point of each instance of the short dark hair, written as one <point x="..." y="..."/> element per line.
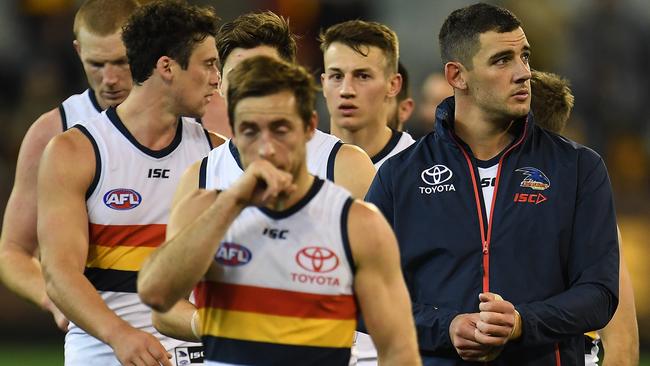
<point x="459" y="35"/>
<point x="261" y="76"/>
<point x="257" y="29"/>
<point x="103" y="17"/>
<point x="165" y="28"/>
<point x="552" y="100"/>
<point x="358" y="33"/>
<point x="405" y="92"/>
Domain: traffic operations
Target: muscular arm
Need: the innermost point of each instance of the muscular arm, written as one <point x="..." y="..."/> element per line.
<point x="177" y="322"/>
<point x="196" y="225"/>
<point x="380" y="287"/>
<point x="353" y="170"/>
<point x="63" y="180"/>
<point x="621" y="336"/>
<point x="20" y="269"/>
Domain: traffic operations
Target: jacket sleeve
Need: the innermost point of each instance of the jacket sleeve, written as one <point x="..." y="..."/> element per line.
<point x="431" y="323"/>
<point x="593" y="259"/>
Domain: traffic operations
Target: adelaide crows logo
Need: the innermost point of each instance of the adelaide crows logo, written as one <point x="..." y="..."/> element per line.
<point x="534" y="178"/>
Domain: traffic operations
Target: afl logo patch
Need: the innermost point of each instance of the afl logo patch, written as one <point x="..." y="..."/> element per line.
<point x="231" y="254"/>
<point x="317" y="259"/>
<point x="122" y="199"/>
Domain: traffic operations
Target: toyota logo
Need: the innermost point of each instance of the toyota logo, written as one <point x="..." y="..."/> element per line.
<point x="437" y="174"/>
<point x="317" y="259"/>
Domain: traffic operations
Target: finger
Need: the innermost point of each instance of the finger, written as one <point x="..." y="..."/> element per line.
<point x="507" y="320"/>
<point x="489" y="296"/>
<point x="498" y="306"/>
<point x="493" y="330"/>
<point x="160" y="355"/>
<point x="148" y="359"/>
<point x="488" y="340"/>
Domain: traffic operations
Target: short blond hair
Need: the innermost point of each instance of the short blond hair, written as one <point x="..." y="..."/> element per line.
<point x="103" y="17"/>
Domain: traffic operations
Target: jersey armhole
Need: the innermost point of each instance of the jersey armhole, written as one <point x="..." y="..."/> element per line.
<point x="203" y="172"/>
<point x="331" y="160"/>
<point x="98" y="160"/>
<point x="345" y="213"/>
<point x="64" y="122"/>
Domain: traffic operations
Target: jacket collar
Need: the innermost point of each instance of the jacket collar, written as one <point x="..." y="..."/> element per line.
<point x="444" y="128"/>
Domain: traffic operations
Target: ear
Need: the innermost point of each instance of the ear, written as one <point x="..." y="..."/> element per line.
<point x="165" y="67"/>
<point x="405" y="109"/>
<point x="455" y="75"/>
<point x="311" y="127"/>
<point x="77" y="47"/>
<point x="322" y="84"/>
<point x="394" y="85"/>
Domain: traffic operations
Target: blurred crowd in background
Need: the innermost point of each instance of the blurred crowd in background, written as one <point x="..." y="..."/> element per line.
<point x="601" y="46"/>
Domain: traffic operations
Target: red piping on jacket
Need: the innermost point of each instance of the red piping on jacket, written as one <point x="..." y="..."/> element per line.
<point x="485" y="241"/>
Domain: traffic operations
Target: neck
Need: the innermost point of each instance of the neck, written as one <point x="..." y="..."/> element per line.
<point x="303" y="181"/>
<point x="485" y="136"/>
<point x="371" y="139"/>
<point x="148" y="117"/>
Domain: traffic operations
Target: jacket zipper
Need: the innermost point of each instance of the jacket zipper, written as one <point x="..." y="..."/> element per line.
<point x="485" y="238"/>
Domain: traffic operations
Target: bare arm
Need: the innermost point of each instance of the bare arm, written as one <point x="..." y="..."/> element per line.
<point x="63" y="180"/>
<point x="621" y="336"/>
<point x="196" y="226"/>
<point x="20" y="269"/>
<point x="177" y="322"/>
<point x="380" y="288"/>
<point x="353" y="170"/>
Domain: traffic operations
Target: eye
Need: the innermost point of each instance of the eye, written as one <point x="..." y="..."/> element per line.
<point x="97" y="65"/>
<point x="526" y="58"/>
<point x="364" y="76"/>
<point x="335" y="77"/>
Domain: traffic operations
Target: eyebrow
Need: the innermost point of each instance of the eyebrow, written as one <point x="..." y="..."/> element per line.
<point x="362" y="69"/>
<point x="510" y="53"/>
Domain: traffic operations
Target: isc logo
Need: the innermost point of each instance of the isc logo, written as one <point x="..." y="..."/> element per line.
<point x="275" y="233"/>
<point x="231" y="254"/>
<point x="535" y="198"/>
<point x="122" y="199"/>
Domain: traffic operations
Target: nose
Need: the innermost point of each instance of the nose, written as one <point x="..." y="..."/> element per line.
<point x="266" y="148"/>
<point x="110" y="74"/>
<point x="347" y="88"/>
<point x="522" y="73"/>
<point x="215" y="78"/>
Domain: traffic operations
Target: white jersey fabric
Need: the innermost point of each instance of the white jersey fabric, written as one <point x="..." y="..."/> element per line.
<point x="488" y="181"/>
<point x="398" y="141"/>
<point x="298" y="263"/>
<point x="321" y="155"/>
<point x="79" y="107"/>
<point x="128" y="205"/>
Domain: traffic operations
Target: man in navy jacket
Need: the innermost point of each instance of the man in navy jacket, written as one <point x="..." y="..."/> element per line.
<point x="507" y="232"/>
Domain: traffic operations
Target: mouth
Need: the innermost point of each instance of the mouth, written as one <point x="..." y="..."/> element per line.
<point x="521" y="95"/>
<point x="347" y="109"/>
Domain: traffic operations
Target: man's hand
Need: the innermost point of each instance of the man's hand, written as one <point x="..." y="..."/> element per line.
<point x="135" y="347"/>
<point x="262" y="184"/>
<point x="462" y="332"/>
<point x="498" y="322"/>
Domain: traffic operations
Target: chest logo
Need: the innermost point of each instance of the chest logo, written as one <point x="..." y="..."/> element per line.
<point x="435" y="175"/>
<point x="317" y="259"/>
<point x="534" y="179"/>
<point x="231" y="254"/>
<point x="122" y="199"/>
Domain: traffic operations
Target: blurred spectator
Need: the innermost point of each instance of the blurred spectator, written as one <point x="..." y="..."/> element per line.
<point x="434" y="89"/>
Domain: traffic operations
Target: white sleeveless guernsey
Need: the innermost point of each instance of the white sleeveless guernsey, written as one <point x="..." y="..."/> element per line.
<point x="397" y="142"/>
<point x="280" y="291"/>
<point x="79" y="107"/>
<point x="128" y="205"/>
<point x="225" y="166"/>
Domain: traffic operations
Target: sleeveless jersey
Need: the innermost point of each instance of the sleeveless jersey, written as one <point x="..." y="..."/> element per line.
<point x="280" y="291"/>
<point x="398" y="142"/>
<point x="128" y="205"/>
<point x="79" y="107"/>
<point x="225" y="166"/>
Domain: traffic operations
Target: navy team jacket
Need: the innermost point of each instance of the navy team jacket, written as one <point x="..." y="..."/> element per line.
<point x="550" y="246"/>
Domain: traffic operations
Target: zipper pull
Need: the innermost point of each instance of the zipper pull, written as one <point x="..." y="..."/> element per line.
<point x="485" y="247"/>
